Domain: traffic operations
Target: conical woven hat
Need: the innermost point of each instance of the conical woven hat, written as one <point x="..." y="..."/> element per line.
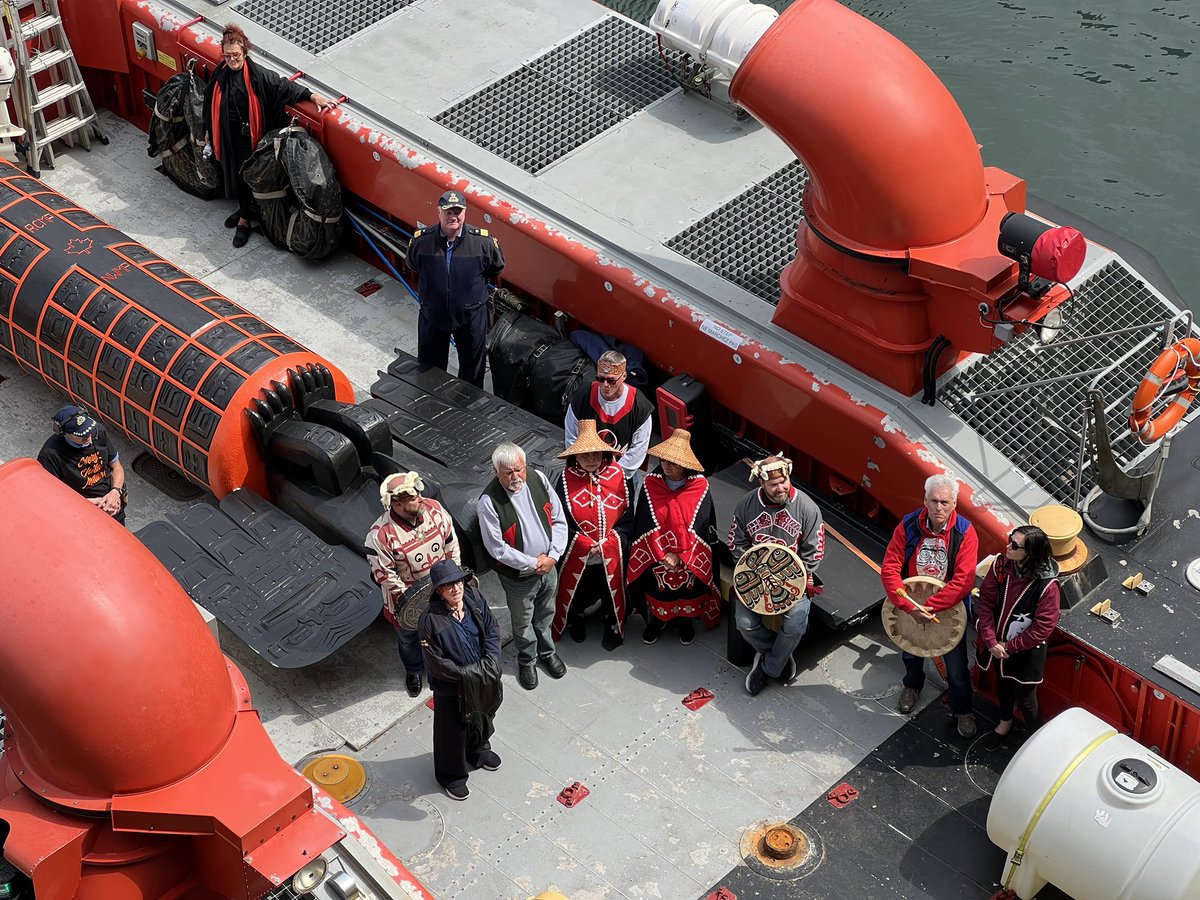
<point x="677" y="449"/>
<point x="588" y="441"/>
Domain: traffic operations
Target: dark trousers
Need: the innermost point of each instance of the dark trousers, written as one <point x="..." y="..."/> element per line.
<point x="247" y="205"/>
<point x="956" y="674"/>
<point x="1010" y="693"/>
<point x="433" y="346"/>
<point x="410" y="652"/>
<point x="453" y="760"/>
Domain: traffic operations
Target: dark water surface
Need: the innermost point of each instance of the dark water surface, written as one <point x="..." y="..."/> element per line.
<point x="1095" y="103"/>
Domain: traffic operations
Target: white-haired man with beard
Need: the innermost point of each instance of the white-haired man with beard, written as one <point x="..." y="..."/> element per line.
<point x="776" y="512"/>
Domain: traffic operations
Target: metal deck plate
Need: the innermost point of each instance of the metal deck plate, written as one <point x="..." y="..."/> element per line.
<point x="564" y="98"/>
<point x="291" y="597"/>
<point x="752" y="237"/>
<point x="1039" y="428"/>
<point x="317" y="25"/>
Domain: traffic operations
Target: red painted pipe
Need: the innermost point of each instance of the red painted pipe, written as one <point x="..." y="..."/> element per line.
<point x="892" y="161"/>
<point x="111" y="680"/>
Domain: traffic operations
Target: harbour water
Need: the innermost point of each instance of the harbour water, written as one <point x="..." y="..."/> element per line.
<point x="1095" y="105"/>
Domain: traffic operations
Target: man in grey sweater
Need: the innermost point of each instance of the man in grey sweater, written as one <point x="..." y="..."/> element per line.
<point x="776" y="512"/>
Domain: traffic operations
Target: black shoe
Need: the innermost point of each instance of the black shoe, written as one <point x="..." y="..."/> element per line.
<point x="458" y="792"/>
<point x="577" y="628"/>
<point x="527" y="675"/>
<point x="790" y="671"/>
<point x="489" y="760"/>
<point x="908" y="700"/>
<point x="687" y="631"/>
<point x="554" y="665"/>
<point x="967" y="728"/>
<point x="241" y="236"/>
<point x="756" y="678"/>
<point x="414" y="684"/>
<point x="653" y="629"/>
<point x="234" y="218"/>
<point x="612" y="639"/>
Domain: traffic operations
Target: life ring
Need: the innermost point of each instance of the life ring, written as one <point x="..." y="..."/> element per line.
<point x="1184" y="354"/>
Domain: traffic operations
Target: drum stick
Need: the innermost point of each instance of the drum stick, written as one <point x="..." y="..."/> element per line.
<point x="924" y="610"/>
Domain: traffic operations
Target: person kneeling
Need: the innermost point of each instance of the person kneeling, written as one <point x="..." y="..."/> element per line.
<point x="461" y="645"/>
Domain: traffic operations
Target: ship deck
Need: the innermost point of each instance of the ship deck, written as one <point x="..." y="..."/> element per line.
<point x="672" y="790"/>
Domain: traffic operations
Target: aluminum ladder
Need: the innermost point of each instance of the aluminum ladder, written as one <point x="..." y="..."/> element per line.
<point x="51" y="97"/>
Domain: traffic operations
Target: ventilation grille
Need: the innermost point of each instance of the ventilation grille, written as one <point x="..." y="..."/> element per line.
<point x="317" y="25"/>
<point x="564" y="98"/>
<point x="752" y="237"/>
<point x="1039" y="428"/>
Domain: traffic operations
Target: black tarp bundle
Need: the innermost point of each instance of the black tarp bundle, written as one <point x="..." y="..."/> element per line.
<point x="177" y="136"/>
<point x="298" y="193"/>
<point x="535" y="368"/>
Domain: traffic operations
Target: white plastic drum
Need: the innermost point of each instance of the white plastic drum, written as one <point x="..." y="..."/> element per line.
<point x="1097" y="815"/>
<point x="720" y="32"/>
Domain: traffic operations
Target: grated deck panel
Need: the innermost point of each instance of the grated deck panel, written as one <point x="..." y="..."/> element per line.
<point x="317" y="25"/>
<point x="564" y="98"/>
<point x="749" y="239"/>
<point x="1039" y="429"/>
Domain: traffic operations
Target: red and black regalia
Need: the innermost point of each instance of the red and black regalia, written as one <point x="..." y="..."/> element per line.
<point x="595" y="502"/>
<point x="674" y="517"/>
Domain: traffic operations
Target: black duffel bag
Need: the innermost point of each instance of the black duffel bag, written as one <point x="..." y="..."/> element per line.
<point x="177" y="136"/>
<point x="535" y="368"/>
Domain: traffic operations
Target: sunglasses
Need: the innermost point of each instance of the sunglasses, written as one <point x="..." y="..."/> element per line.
<point x="608" y="379"/>
<point x="1014" y="544"/>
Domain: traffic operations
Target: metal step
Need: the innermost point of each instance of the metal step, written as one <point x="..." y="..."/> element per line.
<point x="49" y="59"/>
<point x="52" y="95"/>
<point x="60" y="128"/>
<point x="38" y="24"/>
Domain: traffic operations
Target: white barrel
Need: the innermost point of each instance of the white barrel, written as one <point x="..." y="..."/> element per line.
<point x="1097" y="815"/>
<point x="719" y="32"/>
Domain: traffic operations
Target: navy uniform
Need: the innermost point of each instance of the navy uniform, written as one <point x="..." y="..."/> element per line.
<point x="452" y="284"/>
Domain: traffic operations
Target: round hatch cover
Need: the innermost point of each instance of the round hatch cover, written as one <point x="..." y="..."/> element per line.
<point x="1134" y="776"/>
<point x="1193" y="573"/>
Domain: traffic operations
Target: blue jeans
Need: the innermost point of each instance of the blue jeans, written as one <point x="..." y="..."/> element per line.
<point x="776" y="647"/>
<point x="410" y="651"/>
<point x="956" y="674"/>
<point x="531" y="605"/>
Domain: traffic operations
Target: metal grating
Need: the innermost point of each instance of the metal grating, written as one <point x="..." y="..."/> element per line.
<point x="564" y="98"/>
<point x="317" y="25"/>
<point x="752" y="237"/>
<point x="1039" y="429"/>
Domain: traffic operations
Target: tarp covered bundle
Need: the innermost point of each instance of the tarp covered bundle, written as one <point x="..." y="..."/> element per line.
<point x="535" y="368"/>
<point x="177" y="136"/>
<point x="298" y="193"/>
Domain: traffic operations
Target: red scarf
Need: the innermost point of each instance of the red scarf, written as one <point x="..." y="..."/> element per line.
<point x="674" y="514"/>
<point x="256" y="117"/>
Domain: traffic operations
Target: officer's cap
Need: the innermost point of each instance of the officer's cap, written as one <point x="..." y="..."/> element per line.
<point x="452" y="200"/>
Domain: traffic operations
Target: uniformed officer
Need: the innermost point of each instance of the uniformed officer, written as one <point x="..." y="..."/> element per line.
<point x="453" y="263"/>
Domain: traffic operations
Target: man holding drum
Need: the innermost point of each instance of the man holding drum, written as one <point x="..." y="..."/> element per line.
<point x="774" y="514"/>
<point x="934" y="542"/>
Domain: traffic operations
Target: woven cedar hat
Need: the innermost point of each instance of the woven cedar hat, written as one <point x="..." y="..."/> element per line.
<point x="588" y="441"/>
<point x="678" y="449"/>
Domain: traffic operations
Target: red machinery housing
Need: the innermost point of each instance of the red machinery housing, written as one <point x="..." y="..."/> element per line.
<point x="135" y="764"/>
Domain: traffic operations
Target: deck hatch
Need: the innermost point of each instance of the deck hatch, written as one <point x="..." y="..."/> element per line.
<point x="317" y="25"/>
<point x="751" y="258"/>
<point x="1039" y="429"/>
<point x="543" y="110"/>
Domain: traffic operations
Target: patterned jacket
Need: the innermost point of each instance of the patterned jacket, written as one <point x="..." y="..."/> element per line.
<point x="400" y="553"/>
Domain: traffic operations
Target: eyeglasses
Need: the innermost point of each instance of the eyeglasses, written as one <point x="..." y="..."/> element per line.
<point x="609" y="379"/>
<point x="1014" y="544"/>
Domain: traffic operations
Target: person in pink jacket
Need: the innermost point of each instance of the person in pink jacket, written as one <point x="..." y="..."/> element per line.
<point x="1018" y="609"/>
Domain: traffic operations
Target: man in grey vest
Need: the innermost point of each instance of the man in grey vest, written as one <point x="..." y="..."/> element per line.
<point x="525" y="531"/>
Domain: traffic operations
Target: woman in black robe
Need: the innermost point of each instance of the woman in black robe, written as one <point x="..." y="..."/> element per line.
<point x="243" y="102"/>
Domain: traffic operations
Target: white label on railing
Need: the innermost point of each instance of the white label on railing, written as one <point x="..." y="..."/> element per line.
<point x="719" y="332"/>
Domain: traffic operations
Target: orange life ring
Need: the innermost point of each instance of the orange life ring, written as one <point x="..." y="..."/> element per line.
<point x="1184" y="354"/>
